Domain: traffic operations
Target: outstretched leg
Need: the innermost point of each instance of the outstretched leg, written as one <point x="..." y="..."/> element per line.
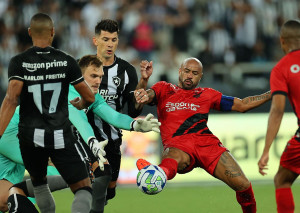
<point x="283" y="181"/>
<point x="230" y="173"/>
<point x="173" y="160"/>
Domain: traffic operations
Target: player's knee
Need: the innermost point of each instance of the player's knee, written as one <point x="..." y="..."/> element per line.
<point x="85" y="188"/>
<point x="278" y="180"/>
<point x="38" y="180"/>
<point x="19" y="188"/>
<point x="241" y="184"/>
<point x="20" y="203"/>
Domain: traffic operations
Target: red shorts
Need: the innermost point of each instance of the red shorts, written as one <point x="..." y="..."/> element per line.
<point x="204" y="151"/>
<point x="290" y="158"/>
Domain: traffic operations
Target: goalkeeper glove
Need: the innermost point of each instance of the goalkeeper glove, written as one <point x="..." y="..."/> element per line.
<point x="98" y="150"/>
<point x="146" y="125"/>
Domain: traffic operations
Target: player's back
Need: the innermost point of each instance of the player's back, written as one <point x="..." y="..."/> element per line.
<point x="46" y="74"/>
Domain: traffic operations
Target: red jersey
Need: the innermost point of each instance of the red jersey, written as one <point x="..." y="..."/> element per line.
<point x="183" y="112"/>
<point x="285" y="78"/>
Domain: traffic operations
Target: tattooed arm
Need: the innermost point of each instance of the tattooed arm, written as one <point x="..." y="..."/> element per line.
<point x="245" y="104"/>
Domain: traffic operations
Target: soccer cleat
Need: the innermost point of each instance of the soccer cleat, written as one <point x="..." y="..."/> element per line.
<point x="142" y="163"/>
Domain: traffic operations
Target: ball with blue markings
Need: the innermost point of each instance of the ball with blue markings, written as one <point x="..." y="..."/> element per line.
<point x="151" y="179"/>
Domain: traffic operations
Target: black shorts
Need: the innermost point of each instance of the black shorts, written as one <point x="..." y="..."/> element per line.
<point x="68" y="161"/>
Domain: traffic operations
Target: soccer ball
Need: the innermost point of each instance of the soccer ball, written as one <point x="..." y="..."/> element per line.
<point x="151" y="179"/>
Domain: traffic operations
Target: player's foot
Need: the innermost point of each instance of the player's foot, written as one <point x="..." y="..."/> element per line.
<point x="142" y="163"/>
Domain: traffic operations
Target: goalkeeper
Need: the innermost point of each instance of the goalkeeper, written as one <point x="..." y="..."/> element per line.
<point x="91" y="68"/>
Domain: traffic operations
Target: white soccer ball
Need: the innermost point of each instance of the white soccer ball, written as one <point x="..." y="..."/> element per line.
<point x="151" y="179"/>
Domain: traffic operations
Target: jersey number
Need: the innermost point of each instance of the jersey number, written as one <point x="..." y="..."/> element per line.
<point x="37" y="95"/>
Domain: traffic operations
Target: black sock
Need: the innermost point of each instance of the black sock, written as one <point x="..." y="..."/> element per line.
<point x="20" y="204"/>
<point x="111" y="193"/>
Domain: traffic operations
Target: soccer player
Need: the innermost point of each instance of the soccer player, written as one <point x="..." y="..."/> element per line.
<point x="284" y="81"/>
<point x="12" y="169"/>
<point x="101" y="110"/>
<point x="188" y="143"/>
<point x="119" y="80"/>
<point x="40" y="76"/>
<point x="10" y="156"/>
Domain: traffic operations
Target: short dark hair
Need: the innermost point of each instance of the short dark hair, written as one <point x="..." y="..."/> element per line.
<point x="40" y="24"/>
<point x="290" y="29"/>
<point x="88" y="60"/>
<point x="108" y="25"/>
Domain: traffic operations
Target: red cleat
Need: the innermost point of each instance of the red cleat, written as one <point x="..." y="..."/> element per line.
<point x="142" y="163"/>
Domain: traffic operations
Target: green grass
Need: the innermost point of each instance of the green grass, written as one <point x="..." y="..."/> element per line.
<point x="185" y="198"/>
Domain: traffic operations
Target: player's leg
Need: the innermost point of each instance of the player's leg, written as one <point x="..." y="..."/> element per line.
<point x="35" y="161"/>
<point x="113" y="155"/>
<point x="18" y="202"/>
<point x="100" y="179"/>
<point x="71" y="165"/>
<point x="55" y="182"/>
<point x="100" y="186"/>
<point x="283" y="181"/>
<point x="173" y="160"/>
<point x="230" y="173"/>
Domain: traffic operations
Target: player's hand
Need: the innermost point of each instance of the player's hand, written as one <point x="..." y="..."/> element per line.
<point x="263" y="163"/>
<point x="141" y="96"/>
<point x="76" y="102"/>
<point x="146" y="125"/>
<point x="146" y="69"/>
<point x="98" y="150"/>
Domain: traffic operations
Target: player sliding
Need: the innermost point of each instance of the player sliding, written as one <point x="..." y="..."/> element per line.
<point x="188" y="143"/>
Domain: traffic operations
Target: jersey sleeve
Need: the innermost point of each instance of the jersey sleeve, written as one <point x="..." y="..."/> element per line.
<point x="15" y="71"/>
<point x="278" y="81"/>
<point x="128" y="95"/>
<point x="111" y="116"/>
<point x="215" y="98"/>
<point x="157" y="88"/>
<point x="75" y="75"/>
<point x="78" y="117"/>
<point x="72" y="93"/>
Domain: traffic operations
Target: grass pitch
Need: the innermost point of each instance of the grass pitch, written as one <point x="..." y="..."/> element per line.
<point x="190" y="198"/>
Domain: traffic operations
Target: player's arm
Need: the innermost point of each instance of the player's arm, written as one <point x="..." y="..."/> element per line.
<point x="146" y="69"/>
<point x="144" y="97"/>
<point x="123" y="121"/>
<point x="245" y="104"/>
<point x="79" y="119"/>
<point x="9" y="103"/>
<point x="87" y="96"/>
<point x="275" y="117"/>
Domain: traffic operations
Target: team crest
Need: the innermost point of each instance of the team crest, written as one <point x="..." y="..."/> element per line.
<point x="116" y="80"/>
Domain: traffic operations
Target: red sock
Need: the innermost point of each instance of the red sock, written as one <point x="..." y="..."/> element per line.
<point x="246" y="200"/>
<point x="169" y="166"/>
<point x="285" y="200"/>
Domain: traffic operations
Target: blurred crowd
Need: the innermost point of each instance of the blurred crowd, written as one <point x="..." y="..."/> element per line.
<point x="165" y="31"/>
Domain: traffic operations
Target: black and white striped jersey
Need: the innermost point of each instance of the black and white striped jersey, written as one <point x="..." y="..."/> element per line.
<point x="118" y="81"/>
<point x="46" y="74"/>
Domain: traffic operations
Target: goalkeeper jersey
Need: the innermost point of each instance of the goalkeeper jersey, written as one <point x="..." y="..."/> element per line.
<point x="101" y="110"/>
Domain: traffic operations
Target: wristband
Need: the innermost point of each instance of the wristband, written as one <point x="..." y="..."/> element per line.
<point x="131" y="125"/>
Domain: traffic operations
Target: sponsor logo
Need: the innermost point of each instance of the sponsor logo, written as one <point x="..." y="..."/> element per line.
<point x="295" y="68"/>
<point x="170" y="107"/>
<point x="106" y="96"/>
<point x="32" y="67"/>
